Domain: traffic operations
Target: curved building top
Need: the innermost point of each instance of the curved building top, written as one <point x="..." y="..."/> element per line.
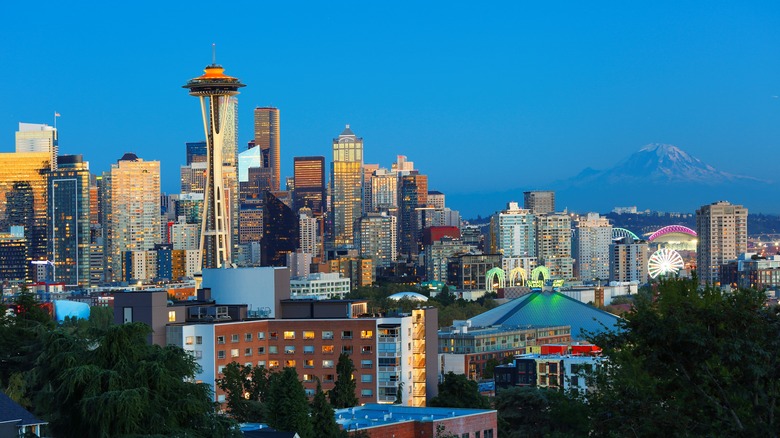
<point x="214" y="81"/>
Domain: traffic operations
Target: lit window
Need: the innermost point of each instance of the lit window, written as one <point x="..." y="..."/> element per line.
<point x="327" y="349"/>
<point x="273" y="335"/>
<point x="308" y="363"/>
<point x="308" y="378"/>
<point x="189" y="340"/>
<point x="273" y="363"/>
<point x="289" y="363"/>
<point x="172" y="316"/>
<point x="366" y="334"/>
<point x="308" y="334"/>
<point x="327" y="363"/>
<point x="366" y="349"/>
<point x="289" y="335"/>
<point x="234" y="352"/>
<point x="327" y="378"/>
<point x="309" y="392"/>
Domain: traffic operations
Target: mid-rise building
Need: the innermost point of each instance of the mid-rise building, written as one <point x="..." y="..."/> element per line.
<point x="309" y="239"/>
<point x="553" y="244"/>
<point x="375" y="238"/>
<point x="438" y="254"/>
<point x="14" y="258"/>
<point x="183" y="235"/>
<point x="539" y="201"/>
<point x="319" y="286"/>
<point x="592" y="238"/>
<point x="469" y="271"/>
<point x="69" y="221"/>
<point x="628" y="261"/>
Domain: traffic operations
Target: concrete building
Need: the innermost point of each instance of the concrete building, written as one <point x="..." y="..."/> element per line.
<point x="513" y="232"/>
<point x="375" y="238"/>
<point x="320" y="286"/>
<point x="722" y="231"/>
<point x="309" y="238"/>
<point x="628" y="260"/>
<point x="592" y="238"/>
<point x="469" y="271"/>
<point x="262" y="289"/>
<point x="539" y="202"/>
<point x="438" y="255"/>
<point x="553" y="244"/>
<point x="184" y="235"/>
<point x="380" y="421"/>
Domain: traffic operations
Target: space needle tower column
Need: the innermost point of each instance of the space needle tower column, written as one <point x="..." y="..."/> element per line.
<point x="214" y="88"/>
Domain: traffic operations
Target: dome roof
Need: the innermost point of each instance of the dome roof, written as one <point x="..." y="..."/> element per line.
<point x="410" y="295"/>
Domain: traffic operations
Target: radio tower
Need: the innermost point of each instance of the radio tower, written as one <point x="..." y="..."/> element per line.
<point x="214" y="88"/>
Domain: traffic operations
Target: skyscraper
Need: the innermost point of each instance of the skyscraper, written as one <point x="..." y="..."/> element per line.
<point x="280" y="231"/>
<point x="593" y="235"/>
<point x="413" y="195"/>
<point x="310" y="190"/>
<point x="196" y="152"/>
<point x="346" y="186"/>
<point x="134" y="223"/>
<point x="539" y="202"/>
<point x="34" y="137"/>
<point x="722" y="231"/>
<point x="215" y="90"/>
<point x="628" y="260"/>
<point x="553" y="244"/>
<point x="375" y="238"/>
<point x="69" y="220"/>
<point x="513" y="232"/>
<point x="267" y="138"/>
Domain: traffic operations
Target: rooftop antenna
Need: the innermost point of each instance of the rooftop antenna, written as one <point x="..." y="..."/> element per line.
<point x="213" y="54"/>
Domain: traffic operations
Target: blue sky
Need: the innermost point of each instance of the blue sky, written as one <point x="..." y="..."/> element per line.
<point x="482" y="98"/>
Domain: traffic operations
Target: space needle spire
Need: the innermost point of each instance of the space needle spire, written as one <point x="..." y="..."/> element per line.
<point x="214" y="88"/>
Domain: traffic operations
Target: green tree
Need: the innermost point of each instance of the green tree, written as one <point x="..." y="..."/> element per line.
<point x="457" y="391"/>
<point x="538" y="412"/>
<point x="120" y="385"/>
<point x="399" y="394"/>
<point x="245" y="390"/>
<point x="490" y="366"/>
<point x="694" y="360"/>
<point x="21" y="341"/>
<point x="287" y="405"/>
<point x="322" y="418"/>
<point x="343" y="393"/>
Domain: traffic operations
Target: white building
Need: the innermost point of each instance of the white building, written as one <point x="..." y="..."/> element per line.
<point x="307" y="230"/>
<point x="185" y="236"/>
<point x="592" y="238"/>
<point x="34" y="137"/>
<point x="375" y="238"/>
<point x="512" y="232"/>
<point x="628" y="261"/>
<point x="321" y="286"/>
<point x="553" y="244"/>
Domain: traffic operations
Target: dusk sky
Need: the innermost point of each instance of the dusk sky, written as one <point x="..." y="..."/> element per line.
<point x="482" y="97"/>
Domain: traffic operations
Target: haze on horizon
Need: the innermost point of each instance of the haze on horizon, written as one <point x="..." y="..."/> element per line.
<point x="483" y="100"/>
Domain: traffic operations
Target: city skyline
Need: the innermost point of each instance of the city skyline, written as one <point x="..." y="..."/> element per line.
<point x="584" y="88"/>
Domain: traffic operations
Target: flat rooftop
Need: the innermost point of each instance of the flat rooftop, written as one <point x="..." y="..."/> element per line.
<point x="373" y="415"/>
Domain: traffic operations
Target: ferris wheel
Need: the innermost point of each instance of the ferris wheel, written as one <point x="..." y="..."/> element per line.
<point x="664" y="262"/>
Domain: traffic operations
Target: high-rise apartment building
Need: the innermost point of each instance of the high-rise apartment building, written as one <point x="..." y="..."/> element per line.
<point x="368" y="173"/>
<point x="413" y="195"/>
<point x="722" y="230"/>
<point x="310" y="190"/>
<point x="375" y="238"/>
<point x="34" y="137"/>
<point x="68" y="228"/>
<point x="23" y="197"/>
<point x="384" y="190"/>
<point x="308" y="232"/>
<point x="513" y="232"/>
<point x="539" y="202"/>
<point x="134" y="209"/>
<point x="628" y="260"/>
<point x="436" y="199"/>
<point x="346" y="186"/>
<point x="553" y="244"/>
<point x="592" y="238"/>
<point x="267" y="138"/>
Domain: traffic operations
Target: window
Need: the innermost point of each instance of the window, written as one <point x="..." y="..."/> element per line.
<point x="346" y="334"/>
<point x="327" y="349"/>
<point x="327" y="378"/>
<point x="327" y="334"/>
<point x="366" y="334"/>
<point x="171" y="316"/>
<point x="289" y="335"/>
<point x="221" y="369"/>
<point x="273" y="364"/>
<point x="260" y="350"/>
<point x="198" y="354"/>
<point x="221" y="397"/>
<point x="465" y="435"/>
<point x="476" y="434"/>
<point x="247" y="352"/>
<point x="234" y="337"/>
<point x="289" y="363"/>
<point x="488" y="433"/>
<point x="234" y="352"/>
<point x="260" y="335"/>
<point x="220" y="339"/>
<point x="309" y="392"/>
<point x="346" y="349"/>
<point x="366" y="363"/>
<point x="366" y="393"/>
<point x="261" y="363"/>
<point x="128" y="315"/>
<point x="308" y="363"/>
<point x="221" y="354"/>
<point x="199" y="340"/>
<point x="307" y="378"/>
<point x="366" y="349"/>
<point x="308" y="349"/>
<point x="327" y="363"/>
<point x="308" y="334"/>
<point x="189" y="340"/>
<point x="366" y="378"/>
<point x="289" y="349"/>
<point x="273" y="349"/>
<point x="273" y="335"/>
<point x="248" y="337"/>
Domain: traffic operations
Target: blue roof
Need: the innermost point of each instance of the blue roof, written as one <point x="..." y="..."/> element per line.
<point x="10" y="411"/>
<point x="374" y="414"/>
<point x="549" y="309"/>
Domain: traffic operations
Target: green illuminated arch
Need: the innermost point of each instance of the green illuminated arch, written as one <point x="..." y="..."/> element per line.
<point x="517" y="277"/>
<point x="540" y="271"/>
<point x="491" y="274"/>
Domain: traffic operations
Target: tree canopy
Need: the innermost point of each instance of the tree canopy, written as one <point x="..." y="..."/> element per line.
<point x="287" y="405"/>
<point x="343" y="393"/>
<point x="457" y="391"/>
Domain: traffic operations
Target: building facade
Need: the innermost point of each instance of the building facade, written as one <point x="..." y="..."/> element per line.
<point x="539" y="201"/>
<point x="375" y="238"/>
<point x="722" y="231"/>
<point x="592" y="238"/>
<point x="553" y="244"/>
<point x="346" y="186"/>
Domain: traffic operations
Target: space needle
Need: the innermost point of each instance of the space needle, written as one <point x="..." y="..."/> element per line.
<point x="214" y="88"/>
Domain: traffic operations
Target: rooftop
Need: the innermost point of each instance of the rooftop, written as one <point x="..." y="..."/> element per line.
<point x="372" y="415"/>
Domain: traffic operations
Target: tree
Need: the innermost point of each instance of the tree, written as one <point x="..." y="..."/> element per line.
<point x="287" y="405"/>
<point x="529" y="411"/>
<point x="399" y="394"/>
<point x="490" y="366"/>
<point x="245" y="390"/>
<point x="694" y="360"/>
<point x="21" y="341"/>
<point x="120" y="385"/>
<point x="457" y="391"/>
<point x="343" y="393"/>
<point x="322" y="418"/>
